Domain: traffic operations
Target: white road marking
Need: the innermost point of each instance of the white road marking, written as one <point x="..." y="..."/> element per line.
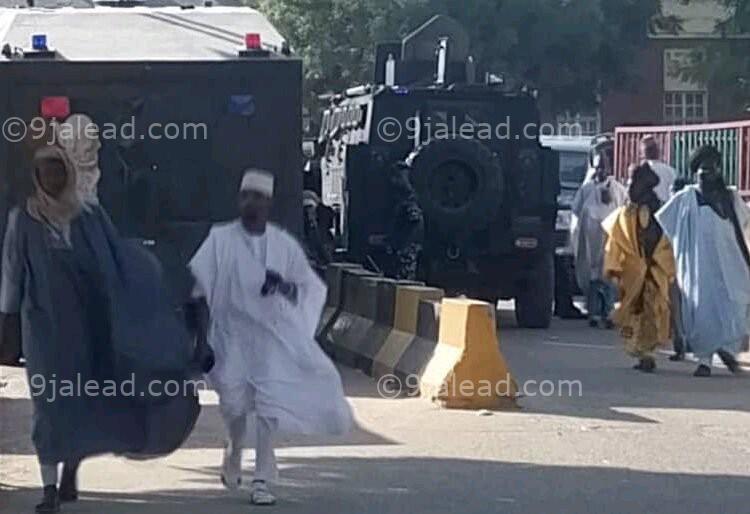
<point x="581" y="345"/>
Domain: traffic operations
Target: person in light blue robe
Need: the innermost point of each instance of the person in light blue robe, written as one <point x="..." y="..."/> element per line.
<point x="706" y="225"/>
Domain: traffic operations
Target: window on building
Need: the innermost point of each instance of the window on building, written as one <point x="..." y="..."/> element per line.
<point x="685" y="99"/>
<point x="682" y="107"/>
<point x="578" y="124"/>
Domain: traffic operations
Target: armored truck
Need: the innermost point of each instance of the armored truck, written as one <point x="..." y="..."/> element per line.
<point x="487" y="188"/>
<point x="185" y="98"/>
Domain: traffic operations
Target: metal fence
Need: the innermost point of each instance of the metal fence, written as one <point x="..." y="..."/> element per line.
<point x="678" y="142"/>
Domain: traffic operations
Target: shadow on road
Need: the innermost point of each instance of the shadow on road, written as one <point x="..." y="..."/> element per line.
<point x="416" y="485"/>
<point x="609" y="387"/>
<point x="15" y="427"/>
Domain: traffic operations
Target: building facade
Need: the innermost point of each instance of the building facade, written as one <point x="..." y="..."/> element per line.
<point x="659" y="95"/>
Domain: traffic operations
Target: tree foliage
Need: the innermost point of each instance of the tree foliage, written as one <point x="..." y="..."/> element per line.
<point x="572" y="50"/>
<point x="726" y="62"/>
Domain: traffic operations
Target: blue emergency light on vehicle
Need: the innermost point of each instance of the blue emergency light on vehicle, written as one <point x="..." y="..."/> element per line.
<point x="244" y="105"/>
<point x="39" y="42"/>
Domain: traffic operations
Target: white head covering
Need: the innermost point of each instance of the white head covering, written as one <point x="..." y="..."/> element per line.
<point x="78" y="136"/>
<point x="259" y="181"/>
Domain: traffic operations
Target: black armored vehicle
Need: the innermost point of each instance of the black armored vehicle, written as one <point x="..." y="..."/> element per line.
<point x="185" y="97"/>
<point x="487" y="188"/>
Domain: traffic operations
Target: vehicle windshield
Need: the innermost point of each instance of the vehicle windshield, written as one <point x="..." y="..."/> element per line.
<point x="573" y="167"/>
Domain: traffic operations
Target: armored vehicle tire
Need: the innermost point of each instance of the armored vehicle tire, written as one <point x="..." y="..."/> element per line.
<point x="459" y="183"/>
<point x="534" y="301"/>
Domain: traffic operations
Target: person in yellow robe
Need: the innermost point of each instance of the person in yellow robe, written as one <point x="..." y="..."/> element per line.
<point x="639" y="261"/>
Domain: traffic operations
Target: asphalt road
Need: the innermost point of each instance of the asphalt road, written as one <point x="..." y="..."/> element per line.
<point x="628" y="443"/>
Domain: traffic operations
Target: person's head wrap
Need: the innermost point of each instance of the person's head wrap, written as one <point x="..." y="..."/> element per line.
<point x="258" y="181"/>
<point x="57" y="212"/>
<point x="706" y="155"/>
<point x="310" y="199"/>
<point x="78" y="136"/>
<point x="643" y="180"/>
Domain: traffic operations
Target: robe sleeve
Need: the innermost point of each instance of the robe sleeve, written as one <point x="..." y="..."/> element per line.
<point x="11" y="283"/>
<point x="576" y="208"/>
<point x="743" y="212"/>
<point x="204" y="267"/>
<point x="669" y="217"/>
<point x="311" y="289"/>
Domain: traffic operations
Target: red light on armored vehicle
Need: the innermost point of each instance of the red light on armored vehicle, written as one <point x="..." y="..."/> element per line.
<point x="252" y="41"/>
<point x="57" y="107"/>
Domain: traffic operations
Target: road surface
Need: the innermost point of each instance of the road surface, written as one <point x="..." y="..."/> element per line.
<point x="628" y="443"/>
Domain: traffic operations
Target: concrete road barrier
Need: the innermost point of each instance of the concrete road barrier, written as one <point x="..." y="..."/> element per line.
<point x="334" y="298"/>
<point x="467" y="369"/>
<point x="353" y="320"/>
<point x="404" y="342"/>
<point x="445" y="350"/>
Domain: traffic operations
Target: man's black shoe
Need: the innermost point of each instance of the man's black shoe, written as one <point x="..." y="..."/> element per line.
<point x="50" y="501"/>
<point x="729" y="361"/>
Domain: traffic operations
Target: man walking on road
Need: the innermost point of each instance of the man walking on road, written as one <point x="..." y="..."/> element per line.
<point x="651" y="153"/>
<point x="706" y="224"/>
<point x="263" y="305"/>
<point x="594" y="201"/>
<point x="639" y="260"/>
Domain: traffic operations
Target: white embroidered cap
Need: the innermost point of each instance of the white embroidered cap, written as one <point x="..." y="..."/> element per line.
<point x="259" y="181"/>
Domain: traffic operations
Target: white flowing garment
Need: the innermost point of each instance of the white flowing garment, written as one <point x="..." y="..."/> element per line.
<point x="587" y="235"/>
<point x="667" y="175"/>
<point x="712" y="274"/>
<point x="267" y="359"/>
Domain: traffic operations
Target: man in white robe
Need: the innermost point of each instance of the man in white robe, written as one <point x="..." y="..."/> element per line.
<point x="264" y="302"/>
<point x="707" y="226"/>
<point x="651" y="153"/>
<point x="594" y="201"/>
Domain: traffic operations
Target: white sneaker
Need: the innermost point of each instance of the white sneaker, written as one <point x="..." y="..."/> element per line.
<point x="260" y="495"/>
<point x="231" y="468"/>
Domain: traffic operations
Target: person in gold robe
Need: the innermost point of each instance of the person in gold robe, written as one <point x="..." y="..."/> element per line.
<point x="639" y="261"/>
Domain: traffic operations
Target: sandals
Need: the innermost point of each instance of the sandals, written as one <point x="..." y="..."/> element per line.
<point x="260" y="495"/>
<point x="730" y="362"/>
<point x="646" y="365"/>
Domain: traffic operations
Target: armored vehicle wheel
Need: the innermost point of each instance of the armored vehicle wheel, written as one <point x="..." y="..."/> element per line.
<point x="459" y="183"/>
<point x="534" y="301"/>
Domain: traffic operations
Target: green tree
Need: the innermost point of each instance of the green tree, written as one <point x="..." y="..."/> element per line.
<point x="571" y="50"/>
<point x="727" y="62"/>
